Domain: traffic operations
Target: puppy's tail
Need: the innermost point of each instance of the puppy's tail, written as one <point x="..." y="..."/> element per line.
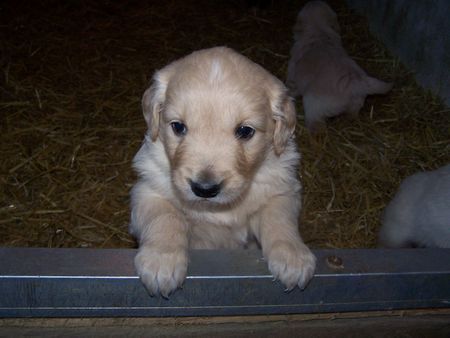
<point x="372" y="86"/>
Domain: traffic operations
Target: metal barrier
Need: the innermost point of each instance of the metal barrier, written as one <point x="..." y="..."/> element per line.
<point x="37" y="282"/>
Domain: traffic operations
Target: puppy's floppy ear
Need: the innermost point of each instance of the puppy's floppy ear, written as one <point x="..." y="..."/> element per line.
<point x="152" y="104"/>
<point x="285" y="119"/>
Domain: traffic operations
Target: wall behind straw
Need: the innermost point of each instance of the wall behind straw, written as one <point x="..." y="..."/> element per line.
<point x="418" y="32"/>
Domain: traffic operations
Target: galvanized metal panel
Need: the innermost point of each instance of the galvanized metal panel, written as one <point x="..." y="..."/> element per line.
<point x="93" y="282"/>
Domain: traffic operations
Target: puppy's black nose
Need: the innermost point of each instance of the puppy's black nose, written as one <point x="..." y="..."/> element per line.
<point x="205" y="189"/>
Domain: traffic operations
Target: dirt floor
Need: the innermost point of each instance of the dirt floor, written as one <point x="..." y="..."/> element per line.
<point x="72" y="75"/>
<point x="415" y="323"/>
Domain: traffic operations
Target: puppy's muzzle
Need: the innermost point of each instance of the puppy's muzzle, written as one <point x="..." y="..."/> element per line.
<point x="205" y="189"/>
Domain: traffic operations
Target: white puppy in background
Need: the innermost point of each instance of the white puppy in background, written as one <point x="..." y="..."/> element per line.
<point x="419" y="214"/>
<point x="321" y="71"/>
<point x="218" y="169"/>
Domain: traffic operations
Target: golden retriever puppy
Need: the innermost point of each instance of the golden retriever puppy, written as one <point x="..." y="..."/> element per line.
<point x="321" y="71"/>
<point x="419" y="213"/>
<point x="218" y="169"/>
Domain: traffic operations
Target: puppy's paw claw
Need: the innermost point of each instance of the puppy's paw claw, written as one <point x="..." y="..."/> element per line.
<point x="292" y="264"/>
<point x="161" y="272"/>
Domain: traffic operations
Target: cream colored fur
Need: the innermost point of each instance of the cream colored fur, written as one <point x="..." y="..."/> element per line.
<point x="321" y="71"/>
<point x="419" y="213"/>
<point x="213" y="92"/>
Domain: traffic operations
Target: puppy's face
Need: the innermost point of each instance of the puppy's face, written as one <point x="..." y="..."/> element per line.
<point x="317" y="15"/>
<point x="218" y="115"/>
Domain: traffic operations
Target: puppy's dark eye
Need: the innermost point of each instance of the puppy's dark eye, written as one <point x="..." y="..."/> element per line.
<point x="179" y="128"/>
<point x="244" y="132"/>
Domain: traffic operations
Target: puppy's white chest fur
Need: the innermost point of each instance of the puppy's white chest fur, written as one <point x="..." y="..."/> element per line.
<point x="209" y="230"/>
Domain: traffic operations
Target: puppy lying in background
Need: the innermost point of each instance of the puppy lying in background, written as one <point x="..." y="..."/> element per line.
<point x="419" y="214"/>
<point x="321" y="71"/>
<point x="218" y="168"/>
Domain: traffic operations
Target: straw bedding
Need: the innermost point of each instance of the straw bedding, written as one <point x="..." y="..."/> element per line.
<point x="73" y="72"/>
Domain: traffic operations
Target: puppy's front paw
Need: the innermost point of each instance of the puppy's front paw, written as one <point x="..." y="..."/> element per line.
<point x="161" y="272"/>
<point x="292" y="263"/>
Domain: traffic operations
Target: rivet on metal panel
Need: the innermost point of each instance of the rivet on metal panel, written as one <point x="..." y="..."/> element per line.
<point x="335" y="262"/>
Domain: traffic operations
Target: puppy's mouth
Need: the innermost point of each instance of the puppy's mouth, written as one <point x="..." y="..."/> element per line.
<point x="208" y="190"/>
<point x="208" y="194"/>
